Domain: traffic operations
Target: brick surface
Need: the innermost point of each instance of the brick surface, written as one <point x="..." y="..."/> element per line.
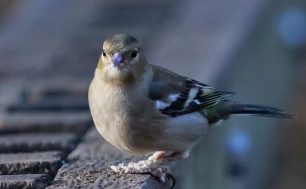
<point x="77" y="122"/>
<point x="64" y="142"/>
<point x="26" y="181"/>
<point x="51" y="89"/>
<point x="50" y="106"/>
<point x="87" y="167"/>
<point x="30" y="163"/>
<point x="56" y="90"/>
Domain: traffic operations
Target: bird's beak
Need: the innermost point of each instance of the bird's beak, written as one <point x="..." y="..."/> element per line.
<point x="117" y="59"/>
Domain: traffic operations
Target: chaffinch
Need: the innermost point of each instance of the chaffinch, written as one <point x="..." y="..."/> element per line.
<point x="142" y="108"/>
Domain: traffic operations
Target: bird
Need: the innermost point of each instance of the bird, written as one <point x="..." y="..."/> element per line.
<point x="142" y="108"/>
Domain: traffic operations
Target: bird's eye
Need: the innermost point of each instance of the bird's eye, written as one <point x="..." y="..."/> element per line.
<point x="134" y="53"/>
<point x="103" y="53"/>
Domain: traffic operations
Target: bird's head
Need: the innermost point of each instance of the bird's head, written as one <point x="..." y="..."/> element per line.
<point x="121" y="57"/>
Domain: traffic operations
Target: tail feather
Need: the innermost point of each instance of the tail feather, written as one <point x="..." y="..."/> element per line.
<point x="258" y="110"/>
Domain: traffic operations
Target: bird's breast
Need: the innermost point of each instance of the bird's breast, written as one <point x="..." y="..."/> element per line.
<point x="114" y="114"/>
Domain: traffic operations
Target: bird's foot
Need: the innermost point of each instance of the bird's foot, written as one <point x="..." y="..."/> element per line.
<point x="146" y="166"/>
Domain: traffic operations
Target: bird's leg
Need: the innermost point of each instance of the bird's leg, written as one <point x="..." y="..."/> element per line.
<point x="157" y="155"/>
<point x="162" y="159"/>
<point x="154" y="165"/>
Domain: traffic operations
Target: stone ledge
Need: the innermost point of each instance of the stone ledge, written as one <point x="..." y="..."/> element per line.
<point x="65" y="142"/>
<point x="30" y="163"/>
<point x="87" y="167"/>
<point x="26" y="181"/>
<point x="35" y="122"/>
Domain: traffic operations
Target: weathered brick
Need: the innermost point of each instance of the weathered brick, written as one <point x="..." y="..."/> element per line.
<point x="44" y="96"/>
<point x="50" y="106"/>
<point x="30" y="163"/>
<point x="51" y="89"/>
<point x="65" y="142"/>
<point x="25" y="122"/>
<point x="26" y="181"/>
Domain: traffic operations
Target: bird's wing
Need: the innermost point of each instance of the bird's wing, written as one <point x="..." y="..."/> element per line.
<point x="176" y="95"/>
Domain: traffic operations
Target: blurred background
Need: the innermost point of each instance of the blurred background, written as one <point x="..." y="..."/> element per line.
<point x="255" y="48"/>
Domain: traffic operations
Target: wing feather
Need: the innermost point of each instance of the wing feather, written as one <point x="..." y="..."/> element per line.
<point x="190" y="95"/>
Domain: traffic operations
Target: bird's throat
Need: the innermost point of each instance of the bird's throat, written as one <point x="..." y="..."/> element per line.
<point x="100" y="64"/>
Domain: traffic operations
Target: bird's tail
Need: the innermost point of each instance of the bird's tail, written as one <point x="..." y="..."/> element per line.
<point x="226" y="108"/>
<point x="258" y="110"/>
